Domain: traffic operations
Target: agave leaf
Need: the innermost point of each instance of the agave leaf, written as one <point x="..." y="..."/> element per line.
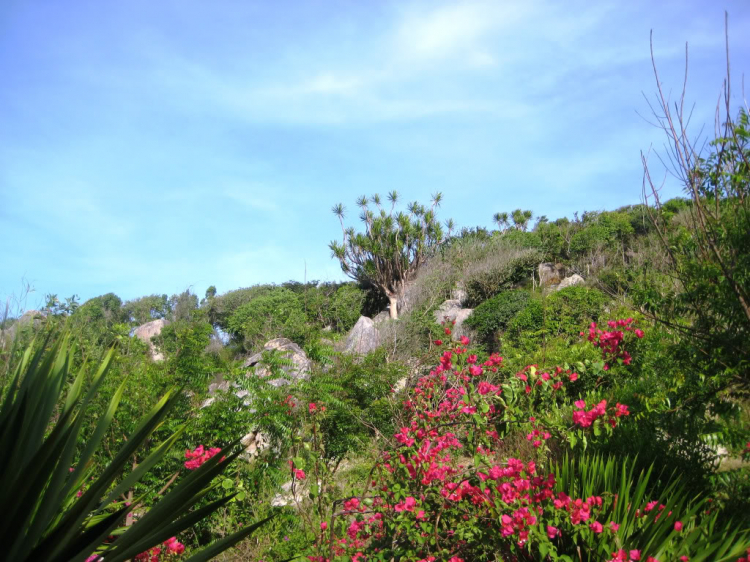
<point x="164" y="532"/>
<point x="144" y="466"/>
<point x="229" y="541"/>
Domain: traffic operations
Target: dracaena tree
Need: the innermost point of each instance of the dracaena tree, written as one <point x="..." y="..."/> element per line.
<point x="393" y="245"/>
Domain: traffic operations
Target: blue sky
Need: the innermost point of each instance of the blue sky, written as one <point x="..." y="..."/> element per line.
<point x="148" y="147"/>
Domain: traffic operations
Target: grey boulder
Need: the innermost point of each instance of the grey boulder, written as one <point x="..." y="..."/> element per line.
<point x="300" y="363"/>
<point x="146" y="331"/>
<point x="571" y="281"/>
<point x="550" y="273"/>
<point x="363" y="337"/>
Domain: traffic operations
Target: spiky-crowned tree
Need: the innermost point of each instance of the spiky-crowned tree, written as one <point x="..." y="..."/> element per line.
<point x="392" y="247"/>
<point x="521" y="219"/>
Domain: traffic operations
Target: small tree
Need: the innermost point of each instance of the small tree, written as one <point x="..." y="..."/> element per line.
<point x="502" y="221"/>
<point x="708" y="255"/>
<point x="392" y="247"/>
<point x="521" y="219"/>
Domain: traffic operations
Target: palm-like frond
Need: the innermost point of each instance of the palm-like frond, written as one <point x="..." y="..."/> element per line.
<point x="42" y="517"/>
<point x="650" y="531"/>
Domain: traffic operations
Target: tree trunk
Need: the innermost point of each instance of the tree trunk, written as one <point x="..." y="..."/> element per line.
<point x="393" y="299"/>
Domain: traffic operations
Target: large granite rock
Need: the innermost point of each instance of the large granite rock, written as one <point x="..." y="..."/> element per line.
<point x="363" y="337"/>
<point x="30" y="318"/>
<point x="459" y="294"/>
<point x="220" y="385"/>
<point x="574" y="279"/>
<point x="451" y="312"/>
<point x="146" y="331"/>
<point x="407" y="298"/>
<point x="447" y="311"/>
<point x="255" y="443"/>
<point x="298" y="370"/>
<point x="381" y="316"/>
<point x="550" y="273"/>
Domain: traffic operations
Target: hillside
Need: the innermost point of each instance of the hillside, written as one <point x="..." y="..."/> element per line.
<point x="581" y="319"/>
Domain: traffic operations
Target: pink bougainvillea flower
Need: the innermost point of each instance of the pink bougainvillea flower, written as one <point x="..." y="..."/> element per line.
<point x="299" y="474"/>
<point x="198" y="456"/>
<point x="351" y="504"/>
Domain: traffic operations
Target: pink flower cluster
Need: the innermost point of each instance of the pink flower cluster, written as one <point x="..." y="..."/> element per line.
<point x="428" y="483"/>
<point x="584" y="418"/>
<point x="170" y="547"/>
<point x="610" y="341"/>
<point x="198" y="456"/>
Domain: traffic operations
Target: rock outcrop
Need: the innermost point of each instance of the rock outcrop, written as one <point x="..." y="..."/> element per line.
<point x="219" y="384"/>
<point x="459" y="294"/>
<point x="300" y="363"/>
<point x="255" y="443"/>
<point x="550" y="273"/>
<point x="381" y="317"/>
<point x="451" y="312"/>
<point x="363" y="337"/>
<point x="146" y="331"/>
<point x="33" y="318"/>
<point x="574" y="279"/>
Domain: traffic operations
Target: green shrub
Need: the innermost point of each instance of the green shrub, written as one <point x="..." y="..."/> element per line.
<point x="493" y="315"/>
<point x="279" y="313"/>
<point x="184" y="344"/>
<point x="572" y="308"/>
<point x="562" y="314"/>
<point x="526" y="328"/>
<point x="346" y="307"/>
<point x="357" y="397"/>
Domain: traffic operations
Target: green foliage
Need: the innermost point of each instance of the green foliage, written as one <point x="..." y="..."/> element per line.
<point x="145" y="309"/>
<point x="278" y="313"/>
<point x="493" y="316"/>
<point x="185" y="344"/>
<point x="222" y="307"/>
<point x="562" y="314"/>
<point x="40" y="431"/>
<point x="357" y="396"/>
<point x="346" y="307"/>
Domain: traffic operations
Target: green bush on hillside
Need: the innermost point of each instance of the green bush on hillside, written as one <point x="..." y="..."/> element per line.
<point x="562" y="314"/>
<point x="278" y="313"/>
<point x="493" y="315"/>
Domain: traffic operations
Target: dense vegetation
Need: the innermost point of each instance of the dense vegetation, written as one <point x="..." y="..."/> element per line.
<point x="606" y="420"/>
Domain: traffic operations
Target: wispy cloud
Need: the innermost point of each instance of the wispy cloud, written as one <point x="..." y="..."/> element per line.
<point x="159" y="147"/>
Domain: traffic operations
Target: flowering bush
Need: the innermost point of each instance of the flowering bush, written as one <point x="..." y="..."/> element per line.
<point x="198" y="456"/>
<point x="448" y="491"/>
<point x="611" y="341"/>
